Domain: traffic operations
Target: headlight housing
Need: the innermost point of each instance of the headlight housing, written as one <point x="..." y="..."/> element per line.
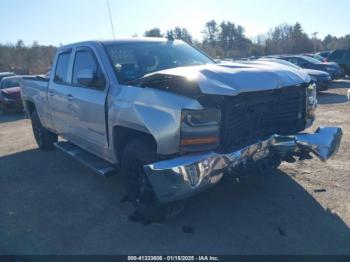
<point x="311" y="103"/>
<point x="200" y="129"/>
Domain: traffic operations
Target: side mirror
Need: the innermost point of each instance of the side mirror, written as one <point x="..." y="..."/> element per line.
<point x="86" y="77"/>
<point x="89" y="78"/>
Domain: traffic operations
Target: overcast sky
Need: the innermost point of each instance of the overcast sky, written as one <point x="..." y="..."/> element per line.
<point x="67" y="21"/>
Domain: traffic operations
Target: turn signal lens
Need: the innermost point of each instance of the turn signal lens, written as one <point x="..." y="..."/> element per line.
<point x="199" y="141"/>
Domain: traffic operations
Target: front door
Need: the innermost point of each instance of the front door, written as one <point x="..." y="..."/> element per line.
<point x="88" y="123"/>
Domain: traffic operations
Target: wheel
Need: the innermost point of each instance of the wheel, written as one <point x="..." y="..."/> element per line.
<point x="138" y="153"/>
<point x="43" y="137"/>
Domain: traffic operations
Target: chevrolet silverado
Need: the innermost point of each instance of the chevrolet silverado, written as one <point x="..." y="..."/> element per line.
<point x="171" y="120"/>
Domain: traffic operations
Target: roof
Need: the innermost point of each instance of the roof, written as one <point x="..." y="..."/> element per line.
<point x="301" y="56"/>
<point x="124" y="40"/>
<point x="136" y="39"/>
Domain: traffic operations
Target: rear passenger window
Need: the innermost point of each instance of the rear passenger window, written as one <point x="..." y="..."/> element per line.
<point x="62" y="68"/>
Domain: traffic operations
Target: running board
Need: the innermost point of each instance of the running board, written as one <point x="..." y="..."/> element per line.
<point x="93" y="162"/>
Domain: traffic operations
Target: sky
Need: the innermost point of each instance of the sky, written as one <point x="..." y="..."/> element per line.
<point x="66" y="21"/>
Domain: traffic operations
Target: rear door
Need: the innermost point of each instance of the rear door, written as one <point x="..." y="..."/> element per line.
<point x="88" y="126"/>
<point x="59" y="93"/>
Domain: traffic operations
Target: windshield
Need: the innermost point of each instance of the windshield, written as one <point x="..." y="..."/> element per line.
<point x="311" y="60"/>
<point x="136" y="59"/>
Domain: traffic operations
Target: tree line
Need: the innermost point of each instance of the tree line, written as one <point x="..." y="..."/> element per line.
<point x="220" y="40"/>
<point x="22" y="59"/>
<point x="228" y="40"/>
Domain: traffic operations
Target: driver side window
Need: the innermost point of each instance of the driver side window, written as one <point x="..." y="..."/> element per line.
<point x="86" y="70"/>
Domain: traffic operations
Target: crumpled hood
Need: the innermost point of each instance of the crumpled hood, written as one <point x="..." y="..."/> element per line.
<point x="235" y="78"/>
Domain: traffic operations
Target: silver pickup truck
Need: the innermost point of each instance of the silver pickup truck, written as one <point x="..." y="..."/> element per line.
<point x="170" y="119"/>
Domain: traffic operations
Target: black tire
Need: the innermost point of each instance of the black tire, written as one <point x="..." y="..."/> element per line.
<point x="43" y="137"/>
<point x="138" y="153"/>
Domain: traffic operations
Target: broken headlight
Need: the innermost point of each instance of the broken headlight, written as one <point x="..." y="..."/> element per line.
<point x="200" y="129"/>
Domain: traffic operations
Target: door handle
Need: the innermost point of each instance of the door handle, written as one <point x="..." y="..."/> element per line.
<point x="51" y="93"/>
<point x="69" y="97"/>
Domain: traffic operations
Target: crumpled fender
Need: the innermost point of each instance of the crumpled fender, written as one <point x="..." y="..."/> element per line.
<point x="155" y="112"/>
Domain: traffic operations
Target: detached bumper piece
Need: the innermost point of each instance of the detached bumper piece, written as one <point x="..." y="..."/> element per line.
<point x="182" y="177"/>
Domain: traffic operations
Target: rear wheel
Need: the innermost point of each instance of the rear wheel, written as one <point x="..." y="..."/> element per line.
<point x="43" y="137"/>
<point x="138" y="153"/>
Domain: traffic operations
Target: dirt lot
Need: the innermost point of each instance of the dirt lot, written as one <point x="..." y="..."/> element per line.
<point x="50" y="204"/>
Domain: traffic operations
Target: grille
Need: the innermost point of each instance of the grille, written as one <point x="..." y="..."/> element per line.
<point x="250" y="117"/>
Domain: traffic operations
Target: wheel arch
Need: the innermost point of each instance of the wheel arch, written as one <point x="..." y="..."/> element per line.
<point x="29" y="107"/>
<point x="124" y="135"/>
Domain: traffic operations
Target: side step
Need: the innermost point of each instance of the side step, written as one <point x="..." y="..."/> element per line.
<point x="93" y="162"/>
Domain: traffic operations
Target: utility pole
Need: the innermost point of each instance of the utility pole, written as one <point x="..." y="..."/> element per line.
<point x="314" y="37"/>
<point x="110" y="18"/>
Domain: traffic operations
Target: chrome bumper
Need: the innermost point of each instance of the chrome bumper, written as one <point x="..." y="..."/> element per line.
<point x="184" y="176"/>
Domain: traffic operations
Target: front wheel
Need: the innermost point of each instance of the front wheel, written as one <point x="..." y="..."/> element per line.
<point x="138" y="153"/>
<point x="43" y="137"/>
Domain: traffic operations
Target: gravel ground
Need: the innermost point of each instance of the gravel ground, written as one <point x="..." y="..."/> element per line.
<point x="50" y="204"/>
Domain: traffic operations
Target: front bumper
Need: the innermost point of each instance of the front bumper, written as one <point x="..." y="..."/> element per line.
<point x="182" y="177"/>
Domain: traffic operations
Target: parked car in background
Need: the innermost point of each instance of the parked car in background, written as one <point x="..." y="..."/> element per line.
<point x="324" y="60"/>
<point x="171" y="119"/>
<point x="5" y="74"/>
<point x="321" y="79"/>
<point x="10" y="94"/>
<point x="342" y="57"/>
<point x="311" y="63"/>
<point x="317" y="57"/>
<point x="324" y="54"/>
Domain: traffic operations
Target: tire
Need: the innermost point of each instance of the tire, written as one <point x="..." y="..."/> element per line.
<point x="43" y="137"/>
<point x="138" y="153"/>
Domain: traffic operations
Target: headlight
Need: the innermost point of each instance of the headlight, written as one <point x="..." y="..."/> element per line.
<point x="311" y="103"/>
<point x="200" y="129"/>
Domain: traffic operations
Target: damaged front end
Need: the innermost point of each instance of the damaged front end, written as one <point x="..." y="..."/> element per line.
<point x="185" y="176"/>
